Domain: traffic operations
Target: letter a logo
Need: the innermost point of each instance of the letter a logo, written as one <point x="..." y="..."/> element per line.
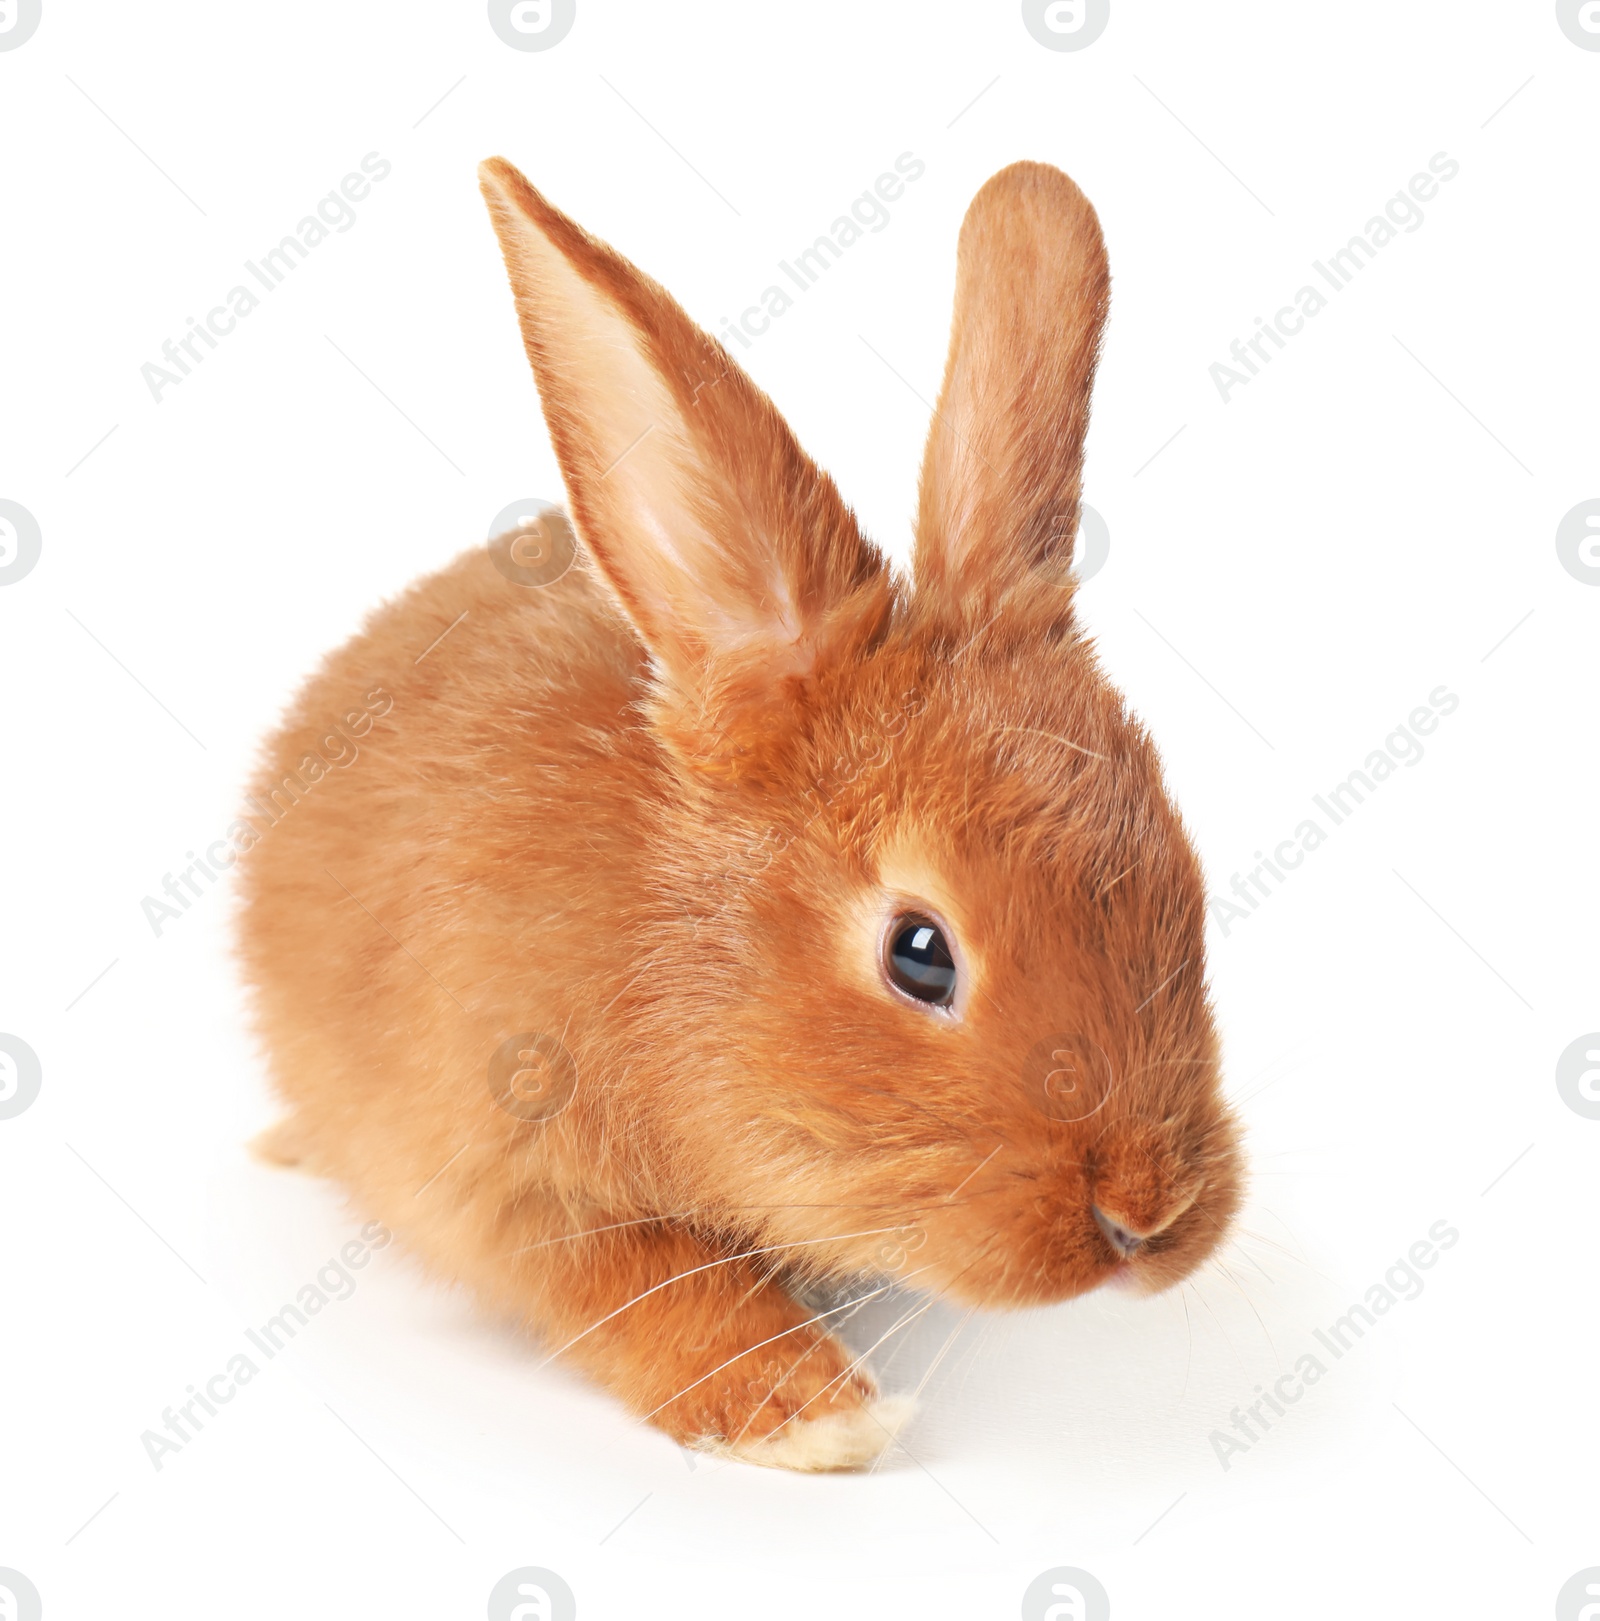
<point x="1069" y="1605"/>
<point x="1065" y="1593"/>
<point x="532" y="1593"/>
<point x="536" y="1606"/>
<point x="19" y="1598"/>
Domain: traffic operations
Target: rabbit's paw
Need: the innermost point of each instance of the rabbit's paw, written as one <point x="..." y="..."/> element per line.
<point x="841" y="1437"/>
<point x="816" y="1414"/>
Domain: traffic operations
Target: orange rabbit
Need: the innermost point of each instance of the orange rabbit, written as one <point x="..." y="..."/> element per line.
<point x="728" y="913"/>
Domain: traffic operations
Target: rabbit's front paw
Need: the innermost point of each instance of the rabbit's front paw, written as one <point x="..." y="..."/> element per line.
<point x="844" y="1436"/>
<point x="816" y="1413"/>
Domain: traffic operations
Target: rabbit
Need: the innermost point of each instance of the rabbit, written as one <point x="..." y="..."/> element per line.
<point x="711" y="913"/>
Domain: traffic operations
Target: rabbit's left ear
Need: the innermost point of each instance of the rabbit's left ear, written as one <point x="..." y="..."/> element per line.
<point x="730" y="551"/>
<point x="998" y="506"/>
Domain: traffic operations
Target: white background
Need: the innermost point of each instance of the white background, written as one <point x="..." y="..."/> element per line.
<point x="1292" y="574"/>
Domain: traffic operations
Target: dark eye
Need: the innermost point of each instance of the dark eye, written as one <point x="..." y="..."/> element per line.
<point x="917" y="960"/>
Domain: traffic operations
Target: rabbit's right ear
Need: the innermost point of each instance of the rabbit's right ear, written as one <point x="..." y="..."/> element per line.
<point x="730" y="551"/>
<point x="998" y="505"/>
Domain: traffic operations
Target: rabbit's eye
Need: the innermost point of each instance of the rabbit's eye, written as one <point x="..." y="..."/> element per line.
<point x="917" y="960"/>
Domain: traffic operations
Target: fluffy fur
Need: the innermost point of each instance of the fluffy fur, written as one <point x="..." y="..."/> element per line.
<point x="660" y="811"/>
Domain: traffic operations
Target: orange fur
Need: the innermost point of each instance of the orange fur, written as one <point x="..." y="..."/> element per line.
<point x="658" y="810"/>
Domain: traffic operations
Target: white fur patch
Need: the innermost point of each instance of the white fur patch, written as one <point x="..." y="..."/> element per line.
<point x="847" y="1440"/>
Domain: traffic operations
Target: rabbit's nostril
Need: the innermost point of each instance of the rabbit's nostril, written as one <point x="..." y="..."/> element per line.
<point x="1122" y="1239"/>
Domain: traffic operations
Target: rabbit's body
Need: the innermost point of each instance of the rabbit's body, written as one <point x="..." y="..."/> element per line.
<point x="465" y="879"/>
<point x="367" y="913"/>
<point x="727" y="910"/>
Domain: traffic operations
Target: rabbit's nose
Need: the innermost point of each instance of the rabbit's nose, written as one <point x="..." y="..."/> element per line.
<point x="1122" y="1238"/>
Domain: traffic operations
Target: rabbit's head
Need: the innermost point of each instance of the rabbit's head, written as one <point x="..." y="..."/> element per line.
<point x="921" y="977"/>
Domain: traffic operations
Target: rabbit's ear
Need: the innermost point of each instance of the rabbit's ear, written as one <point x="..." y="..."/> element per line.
<point x="998" y="504"/>
<point x="730" y="551"/>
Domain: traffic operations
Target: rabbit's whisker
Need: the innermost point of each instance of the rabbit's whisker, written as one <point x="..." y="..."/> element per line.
<point x="589" y="1232"/>
<point x="795" y="1366"/>
<point x="1199" y="1295"/>
<point x="746" y="1350"/>
<point x="1245" y="1293"/>
<point x="973" y="1172"/>
<point x="950" y="1340"/>
<point x="708" y="1266"/>
<point x="799" y="1361"/>
<point x="922" y="1384"/>
<point x="904" y="1321"/>
<point x="1055" y="737"/>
